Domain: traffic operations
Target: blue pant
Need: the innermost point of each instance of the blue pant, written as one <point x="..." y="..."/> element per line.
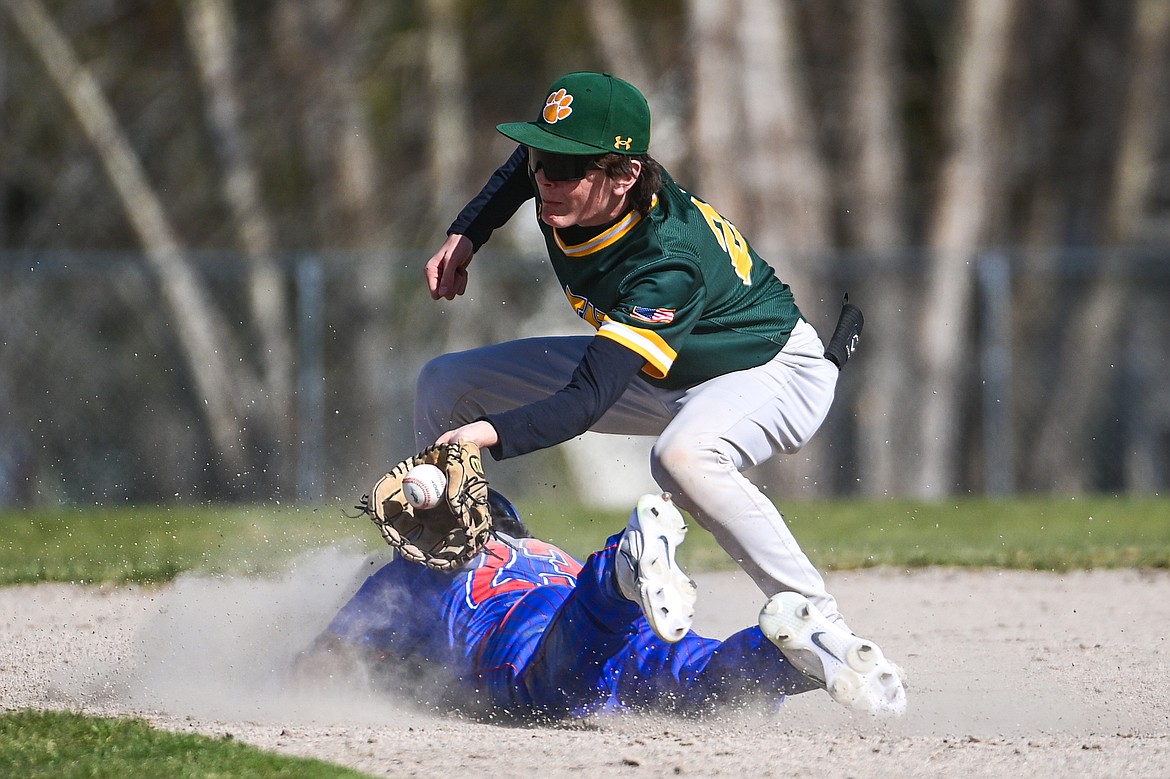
<point x="569" y="650"/>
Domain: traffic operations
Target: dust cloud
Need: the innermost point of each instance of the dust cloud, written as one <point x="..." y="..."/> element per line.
<point x="224" y="648"/>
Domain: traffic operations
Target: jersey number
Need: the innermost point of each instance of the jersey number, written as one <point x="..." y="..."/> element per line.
<point x="493" y="578"/>
<point x="730" y="239"/>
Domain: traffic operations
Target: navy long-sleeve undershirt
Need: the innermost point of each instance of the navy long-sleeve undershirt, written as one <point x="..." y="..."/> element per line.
<point x="603" y="374"/>
<point x="606" y="369"/>
<point x="508" y="188"/>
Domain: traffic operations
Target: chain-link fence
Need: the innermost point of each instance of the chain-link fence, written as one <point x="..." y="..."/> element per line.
<point x="1062" y="387"/>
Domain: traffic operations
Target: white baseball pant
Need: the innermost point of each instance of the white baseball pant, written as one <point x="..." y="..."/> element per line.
<point x="706" y="435"/>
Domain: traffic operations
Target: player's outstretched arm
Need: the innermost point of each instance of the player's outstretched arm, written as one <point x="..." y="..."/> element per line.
<point x="446" y="270"/>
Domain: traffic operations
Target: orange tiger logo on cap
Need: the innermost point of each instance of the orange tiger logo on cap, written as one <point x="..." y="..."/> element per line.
<point x="558" y="106"/>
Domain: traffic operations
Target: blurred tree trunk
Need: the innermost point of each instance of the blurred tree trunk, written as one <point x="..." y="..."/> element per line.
<point x="968" y="191"/>
<point x="5" y="231"/>
<point x="615" y="34"/>
<point x="211" y="31"/>
<point x="449" y="156"/>
<point x="317" y="44"/>
<point x="1044" y="74"/>
<point x="221" y="377"/>
<point x="1092" y="340"/>
<point x="876" y="179"/>
<point x="786" y="184"/>
<point x="781" y="168"/>
<point x="449" y="143"/>
<point x="717" y="110"/>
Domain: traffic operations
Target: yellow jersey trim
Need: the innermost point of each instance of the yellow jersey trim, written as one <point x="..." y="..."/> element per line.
<point x="658" y="354"/>
<point x="605" y="239"/>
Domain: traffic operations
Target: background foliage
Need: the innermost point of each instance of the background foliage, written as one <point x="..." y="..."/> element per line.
<point x="213" y="217"/>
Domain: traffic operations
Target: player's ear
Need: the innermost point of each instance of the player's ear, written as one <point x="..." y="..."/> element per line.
<point x="623" y="181"/>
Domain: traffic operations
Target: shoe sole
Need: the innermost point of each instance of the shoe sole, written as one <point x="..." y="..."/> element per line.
<point x="665" y="593"/>
<point x="854" y="671"/>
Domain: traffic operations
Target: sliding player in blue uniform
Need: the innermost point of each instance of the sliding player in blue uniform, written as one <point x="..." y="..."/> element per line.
<point x="529" y="630"/>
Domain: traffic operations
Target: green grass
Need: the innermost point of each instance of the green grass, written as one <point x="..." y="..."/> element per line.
<point x="62" y="745"/>
<point x="1026" y="533"/>
<point x="151" y="543"/>
<point x="156" y="543"/>
<point x="1038" y="533"/>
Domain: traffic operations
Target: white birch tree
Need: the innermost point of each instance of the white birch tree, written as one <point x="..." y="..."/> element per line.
<point x="969" y="189"/>
<point x="211" y="32"/>
<point x="223" y="381"/>
<point x="874" y="187"/>
<point x="1094" y="334"/>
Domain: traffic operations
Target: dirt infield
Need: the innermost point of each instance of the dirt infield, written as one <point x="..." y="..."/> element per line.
<point x="1009" y="673"/>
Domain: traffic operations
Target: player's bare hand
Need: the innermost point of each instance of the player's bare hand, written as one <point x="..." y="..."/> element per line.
<point x="481" y="433"/>
<point x="446" y="271"/>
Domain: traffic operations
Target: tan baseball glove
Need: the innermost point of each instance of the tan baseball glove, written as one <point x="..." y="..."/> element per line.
<point x="451" y="533"/>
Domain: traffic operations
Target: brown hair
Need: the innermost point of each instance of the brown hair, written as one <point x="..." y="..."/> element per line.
<point x="649" y="181"/>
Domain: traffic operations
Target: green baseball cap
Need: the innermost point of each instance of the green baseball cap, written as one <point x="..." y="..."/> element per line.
<point x="587" y="113"/>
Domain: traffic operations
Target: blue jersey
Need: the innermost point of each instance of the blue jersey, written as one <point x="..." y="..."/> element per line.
<point x="535" y="631"/>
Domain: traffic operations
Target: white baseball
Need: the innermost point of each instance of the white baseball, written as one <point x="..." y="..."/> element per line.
<point x="424" y="486"/>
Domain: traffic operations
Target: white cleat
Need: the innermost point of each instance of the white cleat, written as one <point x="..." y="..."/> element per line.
<point x="854" y="671"/>
<point x="648" y="571"/>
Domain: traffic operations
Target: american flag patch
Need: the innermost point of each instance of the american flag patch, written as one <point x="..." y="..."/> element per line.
<point x="659" y="316"/>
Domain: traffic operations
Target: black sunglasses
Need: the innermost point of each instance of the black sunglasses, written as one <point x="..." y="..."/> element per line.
<point x="561" y="167"/>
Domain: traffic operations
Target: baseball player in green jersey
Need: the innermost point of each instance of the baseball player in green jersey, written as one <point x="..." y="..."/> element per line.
<point x="698" y="342"/>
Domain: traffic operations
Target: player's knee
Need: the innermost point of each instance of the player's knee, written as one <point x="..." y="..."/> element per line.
<point x="436" y="389"/>
<point x="439" y="372"/>
<point x="682" y="467"/>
